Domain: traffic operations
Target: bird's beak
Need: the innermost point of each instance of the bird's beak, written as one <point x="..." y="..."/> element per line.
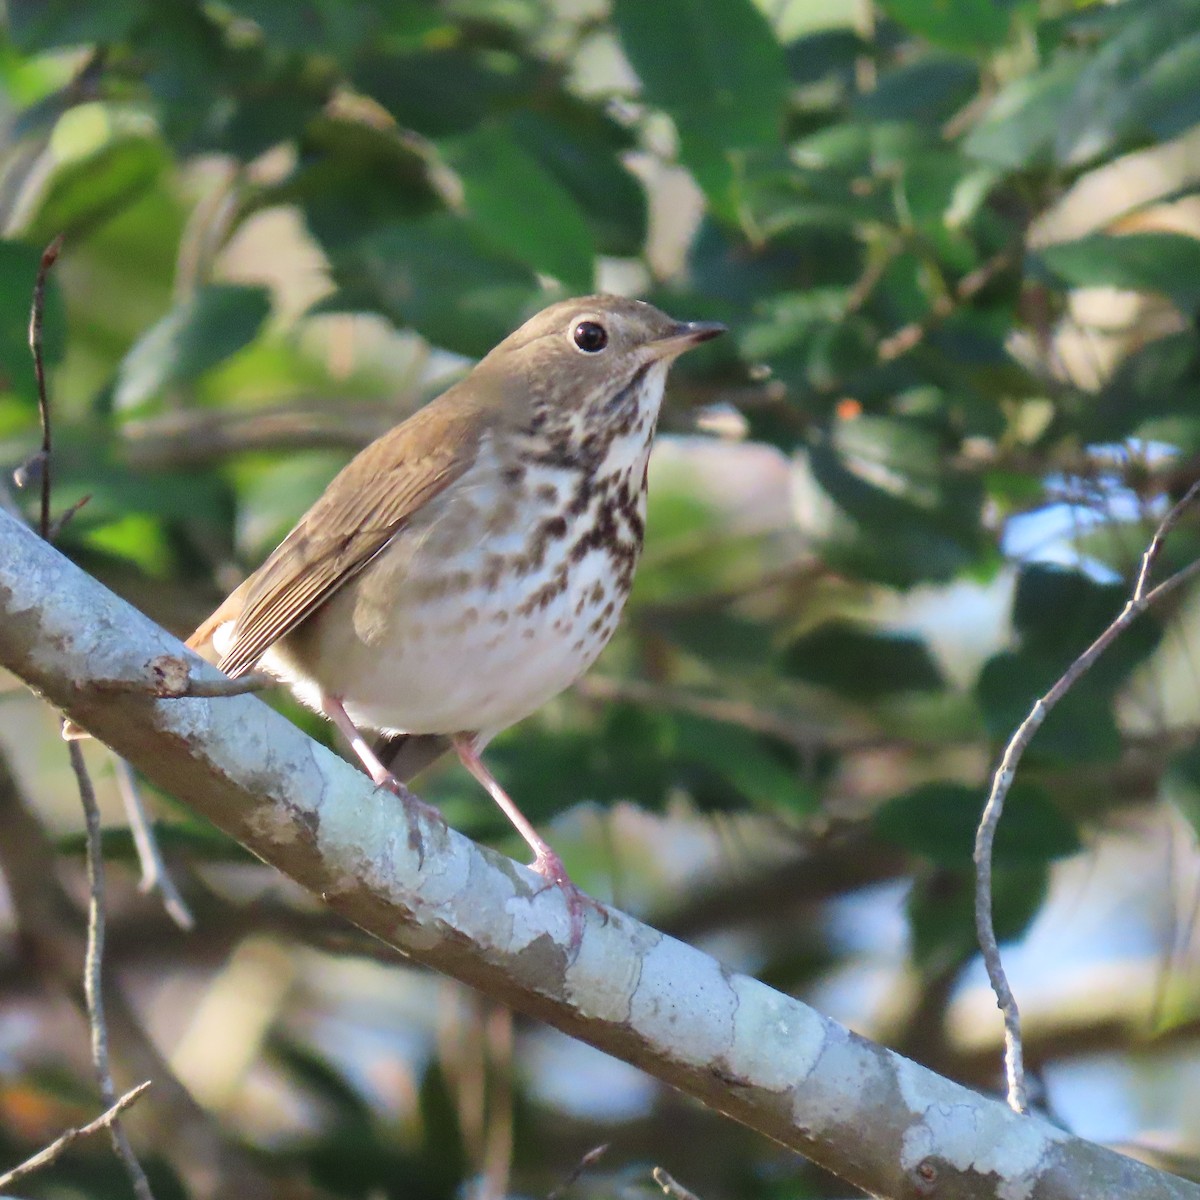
<point x="683" y="336"/>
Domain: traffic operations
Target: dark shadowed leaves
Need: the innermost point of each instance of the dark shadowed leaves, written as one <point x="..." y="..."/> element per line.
<point x="1059" y="612"/>
<point x="352" y="179"/>
<point x="579" y="145"/>
<point x="520" y="207"/>
<point x="36" y="25"/>
<point x="718" y="70"/>
<point x="440" y="277"/>
<point x="1139" y="83"/>
<point x="18" y="270"/>
<point x="939" y="820"/>
<point x="443" y="91"/>
<point x="941" y="911"/>
<point x="908" y="516"/>
<point x="1080" y="727"/>
<point x="861" y="662"/>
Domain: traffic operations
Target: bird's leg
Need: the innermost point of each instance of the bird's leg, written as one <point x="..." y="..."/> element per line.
<point x="545" y="861"/>
<point x="333" y="708"/>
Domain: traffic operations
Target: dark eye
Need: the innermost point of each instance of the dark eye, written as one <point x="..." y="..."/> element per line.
<point x="590" y="337"/>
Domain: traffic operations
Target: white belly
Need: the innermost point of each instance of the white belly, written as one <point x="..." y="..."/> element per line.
<point x="456" y="627"/>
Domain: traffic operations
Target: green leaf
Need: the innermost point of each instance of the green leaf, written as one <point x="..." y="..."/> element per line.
<point x="941" y="912"/>
<point x="339" y="27"/>
<point x="939" y="820"/>
<point x="1020" y="125"/>
<point x="1156" y="380"/>
<point x="1164" y="102"/>
<point x="1106" y="109"/>
<point x="929" y="89"/>
<point x="1080" y="727"/>
<point x="906" y="516"/>
<point x="84" y="191"/>
<point x="1167" y="263"/>
<point x="215" y="323"/>
<point x="580" y="146"/>
<point x="1059" y="612"/>
<point x="954" y="24"/>
<point x="718" y="639"/>
<point x="441" y="92"/>
<point x="718" y="70"/>
<point x="18" y="271"/>
<point x="863" y="663"/>
<point x="438" y="276"/>
<point x="815" y="56"/>
<point x="351" y="180"/>
<point x="37" y="25"/>
<point x="744" y="760"/>
<point x="521" y="208"/>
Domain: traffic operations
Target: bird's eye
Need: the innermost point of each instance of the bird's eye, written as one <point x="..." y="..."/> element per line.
<point x="590" y="337"/>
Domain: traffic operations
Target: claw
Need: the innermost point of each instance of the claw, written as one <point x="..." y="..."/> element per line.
<point x="550" y="867"/>
<point x="415" y="808"/>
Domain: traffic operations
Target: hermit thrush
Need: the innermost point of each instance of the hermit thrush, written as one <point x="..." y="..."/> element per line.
<point x="472" y="563"/>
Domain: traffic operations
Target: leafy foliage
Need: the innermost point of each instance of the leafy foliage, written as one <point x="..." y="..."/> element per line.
<point x="959" y="266"/>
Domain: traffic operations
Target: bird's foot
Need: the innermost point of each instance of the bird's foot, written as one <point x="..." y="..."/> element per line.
<point x="414" y="807"/>
<point x="550" y="867"/>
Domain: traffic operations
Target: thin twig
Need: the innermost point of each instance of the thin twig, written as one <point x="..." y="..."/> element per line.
<point x="255" y="681"/>
<point x="170" y="678"/>
<point x="590" y="1159"/>
<point x="49" y="257"/>
<point x="94" y="956"/>
<point x="56" y="1149"/>
<point x="93" y="966"/>
<point x="155" y="876"/>
<point x="1140" y="600"/>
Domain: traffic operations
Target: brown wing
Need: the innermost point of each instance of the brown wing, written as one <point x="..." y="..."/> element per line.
<point x="363" y="507"/>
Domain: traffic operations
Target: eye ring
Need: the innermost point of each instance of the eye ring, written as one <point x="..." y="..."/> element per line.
<point x="590" y="336"/>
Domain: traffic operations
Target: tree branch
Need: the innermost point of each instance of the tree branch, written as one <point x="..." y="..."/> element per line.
<point x="1142" y="598"/>
<point x="56" y="1149"/>
<point x="879" y="1121"/>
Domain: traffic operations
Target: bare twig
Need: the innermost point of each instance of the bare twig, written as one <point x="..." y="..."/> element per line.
<point x="155" y="876"/>
<point x="170" y="677"/>
<point x="94" y="956"/>
<point x="1142" y="598"/>
<point x="51" y="944"/>
<point x="93" y="966"/>
<point x="60" y="522"/>
<point x="54" y="1151"/>
<point x="256" y="681"/>
<point x="589" y="1160"/>
<point x="49" y="257"/>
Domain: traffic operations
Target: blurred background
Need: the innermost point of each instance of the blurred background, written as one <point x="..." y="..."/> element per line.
<point x="958" y="250"/>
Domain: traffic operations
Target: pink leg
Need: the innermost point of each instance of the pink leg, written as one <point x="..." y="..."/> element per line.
<point x="545" y="861"/>
<point x="333" y="708"/>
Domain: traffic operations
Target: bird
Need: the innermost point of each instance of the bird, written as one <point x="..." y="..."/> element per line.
<point x="471" y="563"/>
